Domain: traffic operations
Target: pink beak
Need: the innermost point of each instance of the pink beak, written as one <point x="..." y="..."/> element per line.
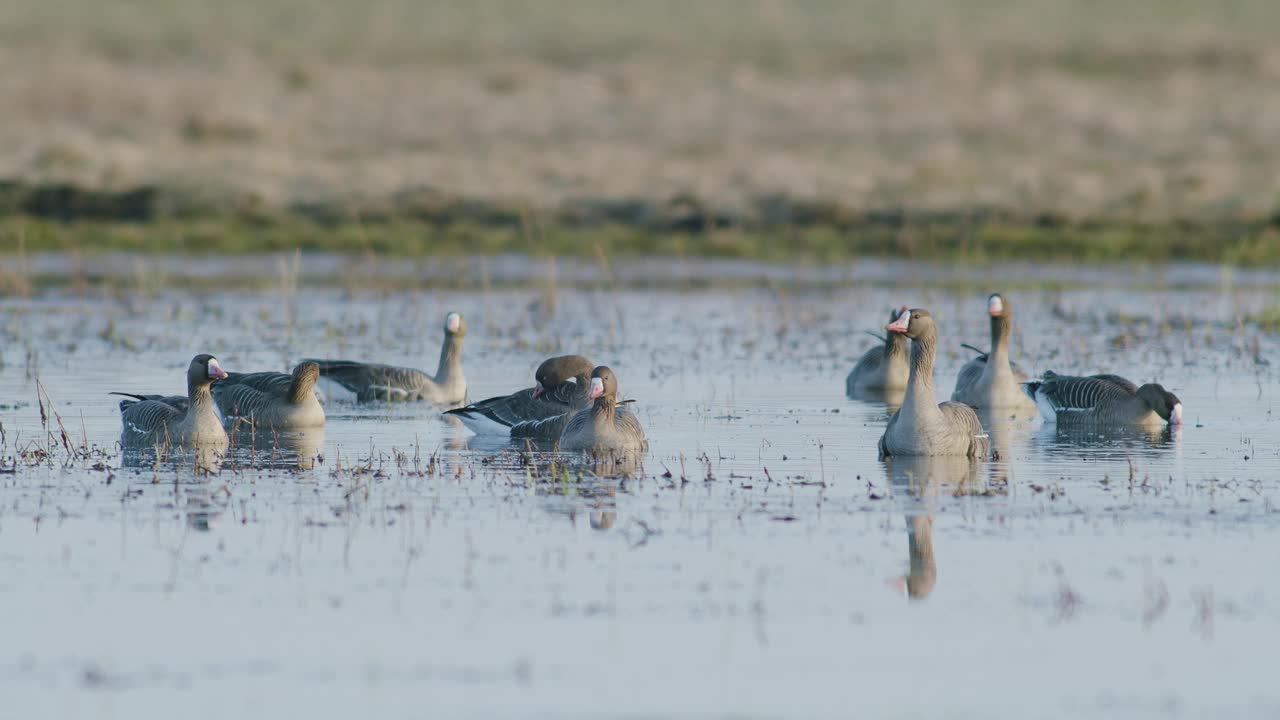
<point x="900" y="325"/>
<point x="597" y="388"/>
<point x="215" y="370"/>
<point x="537" y="391"/>
<point x="1175" y="417"/>
<point x="995" y="307"/>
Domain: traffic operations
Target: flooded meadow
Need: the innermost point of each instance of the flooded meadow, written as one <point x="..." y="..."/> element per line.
<point x="761" y="562"/>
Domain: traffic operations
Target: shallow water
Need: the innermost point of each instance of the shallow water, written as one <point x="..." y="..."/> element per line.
<point x="779" y="570"/>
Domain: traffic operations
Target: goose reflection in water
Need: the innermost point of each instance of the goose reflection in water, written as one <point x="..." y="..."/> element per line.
<point x="277" y="449"/>
<point x="597" y="496"/>
<point x="202" y="459"/>
<point x="1105" y="442"/>
<point x="919" y="478"/>
<point x="205" y="505"/>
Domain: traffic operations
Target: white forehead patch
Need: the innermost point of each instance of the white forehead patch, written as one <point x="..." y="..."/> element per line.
<point x="904" y="318"/>
<point x="453" y="321"/>
<point x="212" y="368"/>
<point x="597" y="385"/>
<point x="995" y="305"/>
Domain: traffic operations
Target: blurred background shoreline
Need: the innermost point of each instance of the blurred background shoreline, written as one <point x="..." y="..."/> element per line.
<point x="779" y="131"/>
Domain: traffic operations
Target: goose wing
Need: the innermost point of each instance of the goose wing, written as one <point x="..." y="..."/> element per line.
<point x="1067" y="393"/>
<point x="272" y="383"/>
<point x="963" y="418"/>
<point x="177" y="402"/>
<point x="240" y="400"/>
<point x="372" y="382"/>
<point x="628" y="425"/>
<point x="969" y="374"/>
<point x="149" y="415"/>
<point x="549" y="429"/>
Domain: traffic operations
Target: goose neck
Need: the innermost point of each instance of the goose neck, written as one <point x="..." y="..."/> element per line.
<point x="1001" y="327"/>
<point x="450" y="367"/>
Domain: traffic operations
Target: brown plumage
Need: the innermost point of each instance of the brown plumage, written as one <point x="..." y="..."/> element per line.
<point x="605" y="428"/>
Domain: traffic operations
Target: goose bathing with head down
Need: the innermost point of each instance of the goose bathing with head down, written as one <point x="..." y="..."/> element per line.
<point x="1103" y="399"/>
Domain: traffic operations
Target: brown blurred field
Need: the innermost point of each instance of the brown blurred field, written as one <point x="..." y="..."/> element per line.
<point x="1134" y="109"/>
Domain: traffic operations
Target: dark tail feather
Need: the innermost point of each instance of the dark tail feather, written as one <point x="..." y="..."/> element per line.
<point x="331" y="366"/>
<point x="349" y="374"/>
<point x="132" y="398"/>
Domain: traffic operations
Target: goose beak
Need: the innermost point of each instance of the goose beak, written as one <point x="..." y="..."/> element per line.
<point x="995" y="306"/>
<point x="597" y="388"/>
<point x="900" y="325"/>
<point x="453" y="322"/>
<point x="1175" y="417"/>
<point x="215" y="371"/>
<point x="537" y="391"/>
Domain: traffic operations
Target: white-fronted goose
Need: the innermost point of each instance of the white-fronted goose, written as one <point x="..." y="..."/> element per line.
<point x="562" y="385"/>
<point x="991" y="380"/>
<point x="157" y="420"/>
<point x="372" y="383"/>
<point x="272" y="400"/>
<point x="605" y="428"/>
<point x="883" y="367"/>
<point x="1103" y="399"/>
<point x="921" y="427"/>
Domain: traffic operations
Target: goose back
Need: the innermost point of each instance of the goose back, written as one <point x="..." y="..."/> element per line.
<point x="562" y="388"/>
<point x="372" y="382"/>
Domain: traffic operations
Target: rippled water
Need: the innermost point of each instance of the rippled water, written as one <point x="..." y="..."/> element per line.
<point x="763" y="564"/>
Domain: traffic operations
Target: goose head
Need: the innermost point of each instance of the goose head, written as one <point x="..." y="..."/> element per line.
<point x="603" y="384"/>
<point x="204" y="369"/>
<point x="997" y="306"/>
<point x="1164" y="403"/>
<point x="454" y="325"/>
<point x="914" y="323"/>
<point x="556" y="370"/>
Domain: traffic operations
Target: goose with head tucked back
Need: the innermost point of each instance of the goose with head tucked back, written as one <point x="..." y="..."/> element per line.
<point x="176" y="420"/>
<point x="882" y="368"/>
<point x="272" y="400"/>
<point x="538" y="412"/>
<point x="373" y="383"/>
<point x="921" y="427"/>
<point x="991" y="381"/>
<point x="604" y="428"/>
<point x="1103" y="400"/>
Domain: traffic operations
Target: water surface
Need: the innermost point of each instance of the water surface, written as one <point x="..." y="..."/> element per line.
<point x="763" y="563"/>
